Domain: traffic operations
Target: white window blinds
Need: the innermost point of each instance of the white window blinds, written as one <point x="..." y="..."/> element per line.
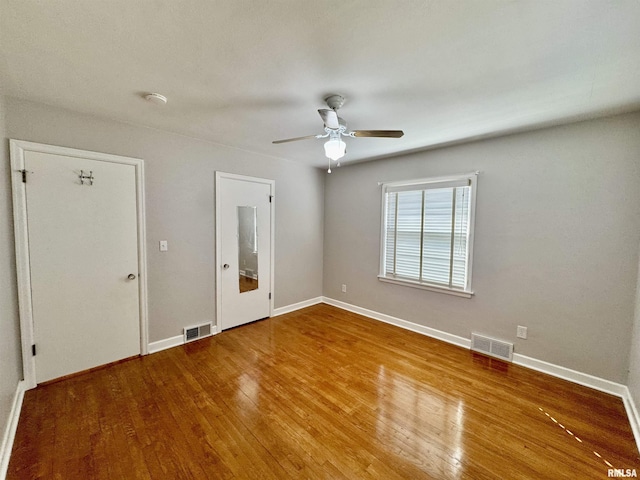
<point x="426" y="237"/>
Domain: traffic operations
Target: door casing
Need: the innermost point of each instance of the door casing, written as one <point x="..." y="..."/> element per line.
<point x="220" y="176"/>
<point x="18" y="149"/>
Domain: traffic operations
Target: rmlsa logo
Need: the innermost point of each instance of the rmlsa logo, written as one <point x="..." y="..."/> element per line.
<point x="622" y="473"/>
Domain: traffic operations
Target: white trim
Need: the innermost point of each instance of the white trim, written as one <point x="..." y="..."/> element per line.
<point x="472" y="229"/>
<point x="570" y="375"/>
<point x="297" y="306"/>
<point x="10" y="430"/>
<point x="17" y="150"/>
<point x="155" y="347"/>
<point x="272" y="184"/>
<point x="422" y="286"/>
<point x="445" y="178"/>
<point x="472" y="177"/>
<point x="414" y="327"/>
<point x="632" y="413"/>
<point x="22" y="264"/>
<point x="564" y="373"/>
<point x="142" y="258"/>
<point x="558" y="371"/>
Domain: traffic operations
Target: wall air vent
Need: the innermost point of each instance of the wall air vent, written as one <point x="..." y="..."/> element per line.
<point x="492" y="347"/>
<point x="198" y="331"/>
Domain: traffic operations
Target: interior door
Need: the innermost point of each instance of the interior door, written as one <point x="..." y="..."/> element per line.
<point x="244" y="248"/>
<point x="83" y="260"/>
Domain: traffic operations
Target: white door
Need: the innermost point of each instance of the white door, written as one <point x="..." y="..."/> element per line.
<point x="83" y="260"/>
<point x="244" y="249"/>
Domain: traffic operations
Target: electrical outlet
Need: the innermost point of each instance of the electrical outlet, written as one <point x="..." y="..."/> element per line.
<point x="522" y="332"/>
<point x="344" y="288"/>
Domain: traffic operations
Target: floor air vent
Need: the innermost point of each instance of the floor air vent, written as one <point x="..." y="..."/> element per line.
<point x="199" y="331"/>
<point x="492" y="347"/>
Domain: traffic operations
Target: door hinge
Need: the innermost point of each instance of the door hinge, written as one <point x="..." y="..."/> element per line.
<point x="269" y="295"/>
<point x="33" y="350"/>
<point x="270" y="198"/>
<point x="24" y="178"/>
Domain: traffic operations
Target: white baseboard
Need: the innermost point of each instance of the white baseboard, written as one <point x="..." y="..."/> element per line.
<point x="414" y="327"/>
<point x="632" y="413"/>
<point x="558" y="371"/>
<point x="155" y="347"/>
<point x="597" y="383"/>
<point x="296" y="306"/>
<point x="10" y="429"/>
<point x="574" y="376"/>
<point x="178" y="340"/>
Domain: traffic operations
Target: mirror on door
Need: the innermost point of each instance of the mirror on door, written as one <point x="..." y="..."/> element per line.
<point x="248" y="248"/>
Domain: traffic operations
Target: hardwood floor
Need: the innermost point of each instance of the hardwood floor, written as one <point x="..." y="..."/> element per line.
<point x="322" y="394"/>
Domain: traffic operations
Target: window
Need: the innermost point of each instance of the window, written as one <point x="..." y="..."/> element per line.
<point x="427" y="233"/>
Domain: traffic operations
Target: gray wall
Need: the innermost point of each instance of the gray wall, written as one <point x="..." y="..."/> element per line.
<point x="634" y="360"/>
<point x="556" y="241"/>
<point x="10" y="351"/>
<point x="180" y="208"/>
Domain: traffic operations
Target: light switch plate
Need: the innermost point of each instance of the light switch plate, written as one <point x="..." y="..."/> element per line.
<point x="164" y="246"/>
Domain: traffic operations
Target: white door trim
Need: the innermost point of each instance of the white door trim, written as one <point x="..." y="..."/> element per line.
<point x="272" y="184"/>
<point x="18" y="149"/>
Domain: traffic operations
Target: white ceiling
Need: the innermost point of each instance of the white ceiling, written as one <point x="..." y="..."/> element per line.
<point x="246" y="72"/>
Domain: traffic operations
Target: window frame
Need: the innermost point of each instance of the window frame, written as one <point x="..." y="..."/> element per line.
<point x="472" y="178"/>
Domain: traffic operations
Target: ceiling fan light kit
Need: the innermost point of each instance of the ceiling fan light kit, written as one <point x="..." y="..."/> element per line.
<point x="335" y="149"/>
<point x="335" y="128"/>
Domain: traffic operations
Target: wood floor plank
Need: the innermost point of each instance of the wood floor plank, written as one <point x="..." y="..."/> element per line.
<point x="320" y="394"/>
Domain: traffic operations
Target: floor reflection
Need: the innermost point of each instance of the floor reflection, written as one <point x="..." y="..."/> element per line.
<point x="249" y="387"/>
<point x="431" y="425"/>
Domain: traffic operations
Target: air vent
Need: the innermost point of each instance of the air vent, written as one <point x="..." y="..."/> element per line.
<point x="492" y="347"/>
<point x="196" y="332"/>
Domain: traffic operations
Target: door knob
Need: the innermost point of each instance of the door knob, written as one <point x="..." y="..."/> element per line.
<point x="131" y="276"/>
<point x="225" y="266"/>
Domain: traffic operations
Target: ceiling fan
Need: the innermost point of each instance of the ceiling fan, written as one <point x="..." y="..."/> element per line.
<point x="335" y="128"/>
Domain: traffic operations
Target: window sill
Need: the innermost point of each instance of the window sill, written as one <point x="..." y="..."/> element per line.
<point x="431" y="288"/>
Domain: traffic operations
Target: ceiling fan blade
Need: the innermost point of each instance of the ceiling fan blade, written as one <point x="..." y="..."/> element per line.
<point x="296" y="139"/>
<point x="378" y="133"/>
<point x="330" y="118"/>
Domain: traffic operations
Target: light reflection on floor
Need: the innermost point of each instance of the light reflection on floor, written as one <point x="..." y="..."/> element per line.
<point x="249" y="387"/>
<point x="435" y="424"/>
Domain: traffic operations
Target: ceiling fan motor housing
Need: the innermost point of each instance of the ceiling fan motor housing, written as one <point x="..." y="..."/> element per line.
<point x="334" y="102"/>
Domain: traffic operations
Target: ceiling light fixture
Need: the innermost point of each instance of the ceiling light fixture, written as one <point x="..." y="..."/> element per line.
<point x="335" y="149"/>
<point x="156" y="98"/>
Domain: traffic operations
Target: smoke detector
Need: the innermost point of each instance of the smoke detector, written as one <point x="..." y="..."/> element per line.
<point x="156" y="98"/>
